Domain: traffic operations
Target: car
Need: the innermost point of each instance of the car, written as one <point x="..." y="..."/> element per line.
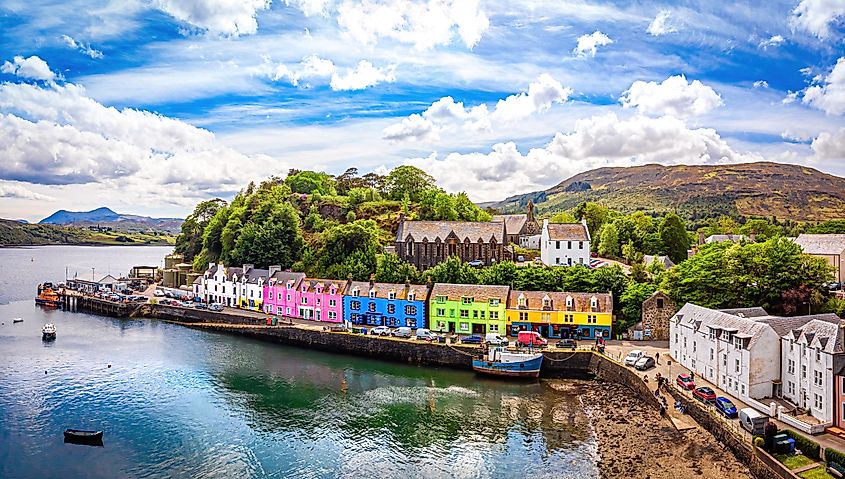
<point x="380" y="331"/>
<point x="704" y="394"/>
<point x="186" y="304"/>
<point x="425" y="335"/>
<point x="476" y="263"/>
<point x="403" y="332"/>
<point x="632" y="357"/>
<point x="158" y="293"/>
<point x="645" y="362"/>
<point x="567" y="343"/>
<point x="725" y="407"/>
<point x="520" y="259"/>
<point x="215" y="307"/>
<point x="531" y="338"/>
<point x="201" y="306"/>
<point x="496" y="339"/>
<point x="471" y="339"/>
<point x="685" y="381"/>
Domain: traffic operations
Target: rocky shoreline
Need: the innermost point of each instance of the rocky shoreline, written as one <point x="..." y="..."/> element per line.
<point x="635" y="442"/>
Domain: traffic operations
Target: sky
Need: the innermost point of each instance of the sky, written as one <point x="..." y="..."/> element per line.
<point x="150" y="106"/>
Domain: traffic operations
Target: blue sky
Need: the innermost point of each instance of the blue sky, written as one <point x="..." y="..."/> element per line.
<point x="150" y="106"/>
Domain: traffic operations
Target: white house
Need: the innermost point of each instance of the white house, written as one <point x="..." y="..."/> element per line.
<point x="565" y="244"/>
<point x="237" y="287"/>
<point x="807" y="365"/>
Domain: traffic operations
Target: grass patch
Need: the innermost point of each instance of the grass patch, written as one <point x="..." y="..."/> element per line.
<point x="794" y="461"/>
<point x="816" y="473"/>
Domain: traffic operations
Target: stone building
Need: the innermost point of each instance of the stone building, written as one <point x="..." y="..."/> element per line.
<point x="428" y="243"/>
<point x="519" y="227"/>
<point x="656" y="312"/>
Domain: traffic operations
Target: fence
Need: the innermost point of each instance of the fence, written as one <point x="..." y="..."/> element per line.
<point x="801" y="425"/>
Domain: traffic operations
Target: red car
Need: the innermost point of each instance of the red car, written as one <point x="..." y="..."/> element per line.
<point x="704" y="394"/>
<point x="685" y="381"/>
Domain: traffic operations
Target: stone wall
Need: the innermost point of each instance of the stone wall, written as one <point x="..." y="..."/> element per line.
<point x="656" y="319"/>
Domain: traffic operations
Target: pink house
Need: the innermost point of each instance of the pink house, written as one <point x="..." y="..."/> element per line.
<point x="281" y="293"/>
<point x="321" y="300"/>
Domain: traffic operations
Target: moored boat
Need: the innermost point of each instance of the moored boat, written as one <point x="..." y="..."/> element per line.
<point x="48" y="332"/>
<point x="500" y="362"/>
<point x="79" y="436"/>
<point x="17" y="320"/>
<point x="48" y="297"/>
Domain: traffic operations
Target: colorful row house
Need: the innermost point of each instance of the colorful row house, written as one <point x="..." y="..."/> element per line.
<point x="560" y="315"/>
<point x="385" y="304"/>
<point x="294" y="296"/>
<point x="281" y="294"/>
<point x="467" y="308"/>
<point x="231" y="286"/>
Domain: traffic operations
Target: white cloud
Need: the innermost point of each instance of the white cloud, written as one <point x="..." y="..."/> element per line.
<point x="311" y="7"/>
<point x="815" y="16"/>
<point x="32" y="68"/>
<point x="674" y="96"/>
<point x="761" y="84"/>
<point x="660" y="25"/>
<point x="446" y="113"/>
<point x="587" y="43"/>
<point x="829" y="94"/>
<point x="424" y="24"/>
<point x="82" y="47"/>
<point x="220" y="17"/>
<point x="362" y="76"/>
<point x="830" y="146"/>
<point x="311" y="67"/>
<point x="12" y="189"/>
<point x="595" y="142"/>
<point x="772" y="42"/>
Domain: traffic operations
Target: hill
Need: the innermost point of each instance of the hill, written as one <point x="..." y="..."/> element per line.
<point x="750" y="189"/>
<point x="15" y="233"/>
<point x="106" y="218"/>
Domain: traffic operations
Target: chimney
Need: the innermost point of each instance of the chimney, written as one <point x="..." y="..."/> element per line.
<point x="700" y="237"/>
<point x="545" y="223"/>
<point x="348" y="281"/>
<point x="407" y="284"/>
<point x="273" y="269"/>
<point x="247" y="267"/>
<point x="372" y="280"/>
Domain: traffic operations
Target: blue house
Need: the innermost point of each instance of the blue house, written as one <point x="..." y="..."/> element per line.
<point x="385" y="304"/>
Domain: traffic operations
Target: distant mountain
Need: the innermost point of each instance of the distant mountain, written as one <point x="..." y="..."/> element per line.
<point x="748" y="189"/>
<point x="106" y="218"/>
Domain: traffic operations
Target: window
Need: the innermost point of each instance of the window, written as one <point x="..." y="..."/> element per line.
<point x="356" y="305"/>
<point x="332" y="315"/>
<point x="464" y="326"/>
<point x="790" y="366"/>
<point x="287" y="310"/>
<point x="464" y="313"/>
<point x="411" y="296"/>
<point x="440" y="299"/>
<point x="546" y="317"/>
<point x="713" y="334"/>
<point x="693" y="346"/>
<point x="317" y="301"/>
<point x="724" y="360"/>
<point x="494" y="328"/>
<point x="332" y="303"/>
<point x="569" y="303"/>
<point x="494" y="315"/>
<point x="738" y="343"/>
<point x="441" y="312"/>
<point x="580" y="245"/>
<point x="466" y="300"/>
<point x="817" y="378"/>
<point x="303" y="300"/>
<point x="391" y="295"/>
<point x="736" y="362"/>
<point x="676" y="337"/>
<point x="660" y="306"/>
<point x="482" y="314"/>
<point x="742" y="388"/>
<point x="520" y="301"/>
<point x="569" y="245"/>
<point x="371" y="307"/>
<point x="475" y="313"/>
<point x="494" y="302"/>
<point x="818" y="354"/>
<point x="817" y="401"/>
<point x="693" y="363"/>
<point x="791" y="344"/>
<point x="372" y="293"/>
<point x="592" y="319"/>
<point x="356" y="292"/>
<point x="594" y="303"/>
<point x="790" y="387"/>
<point x="711" y="354"/>
<point x="409" y="322"/>
<point x="557" y="244"/>
<point x="391" y="308"/>
<point x="523" y="316"/>
<point x="803" y="371"/>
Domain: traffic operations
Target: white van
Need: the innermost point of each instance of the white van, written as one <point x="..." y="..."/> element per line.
<point x="425" y="335"/>
<point x="495" y="339"/>
<point x="752" y="421"/>
<point x="402" y="332"/>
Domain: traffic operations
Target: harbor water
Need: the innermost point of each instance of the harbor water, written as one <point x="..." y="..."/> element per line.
<point x="178" y="402"/>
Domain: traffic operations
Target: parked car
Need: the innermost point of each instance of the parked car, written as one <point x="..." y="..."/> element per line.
<point x="704" y="394"/>
<point x="403" y="332"/>
<point x="632" y="357"/>
<point x="752" y="421"/>
<point x="645" y="362"/>
<point x="496" y="339"/>
<point x="531" y="338"/>
<point x="201" y="306"/>
<point x="380" y="331"/>
<point x="567" y="343"/>
<point x="425" y="335"/>
<point x="476" y="263"/>
<point x="471" y="339"/>
<point x="685" y="381"/>
<point x="215" y="307"/>
<point x="520" y="258"/>
<point x="186" y="304"/>
<point x="725" y="407"/>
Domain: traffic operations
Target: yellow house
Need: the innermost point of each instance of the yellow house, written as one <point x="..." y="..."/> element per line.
<point x="560" y="315"/>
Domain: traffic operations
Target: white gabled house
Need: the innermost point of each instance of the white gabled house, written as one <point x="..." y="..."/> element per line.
<point x="565" y="244"/>
<point x="236" y="287"/>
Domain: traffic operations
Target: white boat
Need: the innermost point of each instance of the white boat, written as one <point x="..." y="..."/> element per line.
<point x="48" y="332"/>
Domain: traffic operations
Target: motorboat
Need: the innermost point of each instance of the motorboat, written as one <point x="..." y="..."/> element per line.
<point x="78" y="436"/>
<point x="17" y="320"/>
<point x="48" y="332"/>
<point x="498" y="361"/>
<point x="49" y="298"/>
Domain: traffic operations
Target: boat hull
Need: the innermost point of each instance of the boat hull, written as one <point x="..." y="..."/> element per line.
<point x="49" y="303"/>
<point x="48" y="336"/>
<point x="77" y="436"/>
<point x="521" y="369"/>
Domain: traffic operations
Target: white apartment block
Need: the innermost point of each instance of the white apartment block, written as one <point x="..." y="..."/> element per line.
<point x="565" y="244"/>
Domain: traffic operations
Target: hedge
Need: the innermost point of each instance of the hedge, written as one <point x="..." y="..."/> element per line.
<point x="808" y="447"/>
<point x="832" y="455"/>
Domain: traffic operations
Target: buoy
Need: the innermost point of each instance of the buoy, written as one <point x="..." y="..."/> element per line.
<point x="45" y="371"/>
<point x="109" y="365"/>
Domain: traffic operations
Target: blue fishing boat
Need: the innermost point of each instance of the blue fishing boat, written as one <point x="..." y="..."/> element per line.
<point x="500" y="362"/>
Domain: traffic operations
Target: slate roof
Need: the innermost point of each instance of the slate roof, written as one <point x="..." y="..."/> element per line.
<point x="783" y="325"/>
<point x="513" y="223"/>
<point x="568" y="232"/>
<point x="827" y="331"/>
<point x="314" y="282"/>
<point x="464" y="230"/>
<point x="480" y="292"/>
<point x="754" y="312"/>
<point x="581" y="301"/>
<point x="282" y="278"/>
<point x="662" y="259"/>
<point x="703" y="319"/>
<point x="382" y="290"/>
<point x="821" y="244"/>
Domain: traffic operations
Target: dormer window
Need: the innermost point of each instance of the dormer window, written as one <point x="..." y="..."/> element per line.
<point x="594" y="303"/>
<point x="411" y="296"/>
<point x="319" y="290"/>
<point x="391" y="295"/>
<point x="570" y="304"/>
<point x="520" y="301"/>
<point x="547" y="302"/>
<point x="466" y="300"/>
<point x="372" y="293"/>
<point x="356" y="292"/>
<point x="333" y="291"/>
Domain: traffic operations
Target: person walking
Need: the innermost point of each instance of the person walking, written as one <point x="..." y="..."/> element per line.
<point x="657" y="358"/>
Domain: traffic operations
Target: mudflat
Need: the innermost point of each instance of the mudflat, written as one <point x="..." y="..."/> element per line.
<point x="635" y="442"/>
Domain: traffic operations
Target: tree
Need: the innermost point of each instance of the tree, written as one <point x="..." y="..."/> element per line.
<point x="504" y="273"/>
<point x="311" y="182"/>
<point x="564" y="217"/>
<point x="391" y="269"/>
<point x="346" y="249"/>
<point x="674" y="237"/>
<point x="761" y="229"/>
<point x="594" y="213"/>
<point x="453" y="270"/>
<point x="632" y="302"/>
<point x="189" y="241"/>
<point x="347" y="181"/>
<point x="609" y="242"/>
<point x="408" y="180"/>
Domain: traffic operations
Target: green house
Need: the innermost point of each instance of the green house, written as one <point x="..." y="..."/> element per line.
<point x="468" y="308"/>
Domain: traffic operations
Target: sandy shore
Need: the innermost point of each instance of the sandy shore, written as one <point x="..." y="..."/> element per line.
<point x="634" y="442"/>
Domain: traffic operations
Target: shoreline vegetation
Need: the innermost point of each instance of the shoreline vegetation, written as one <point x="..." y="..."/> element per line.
<point x="15" y="234"/>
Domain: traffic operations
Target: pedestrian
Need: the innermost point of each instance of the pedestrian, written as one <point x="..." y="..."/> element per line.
<point x="657" y="358"/>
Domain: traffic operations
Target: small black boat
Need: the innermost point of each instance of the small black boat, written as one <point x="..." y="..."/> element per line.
<point x="17" y="320"/>
<point x="77" y="436"/>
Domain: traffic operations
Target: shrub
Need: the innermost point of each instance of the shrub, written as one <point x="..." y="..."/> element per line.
<point x="758" y="441"/>
<point x="832" y="455"/>
<point x="807" y="446"/>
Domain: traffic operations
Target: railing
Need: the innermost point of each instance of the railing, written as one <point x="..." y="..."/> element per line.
<point x="801" y="425"/>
